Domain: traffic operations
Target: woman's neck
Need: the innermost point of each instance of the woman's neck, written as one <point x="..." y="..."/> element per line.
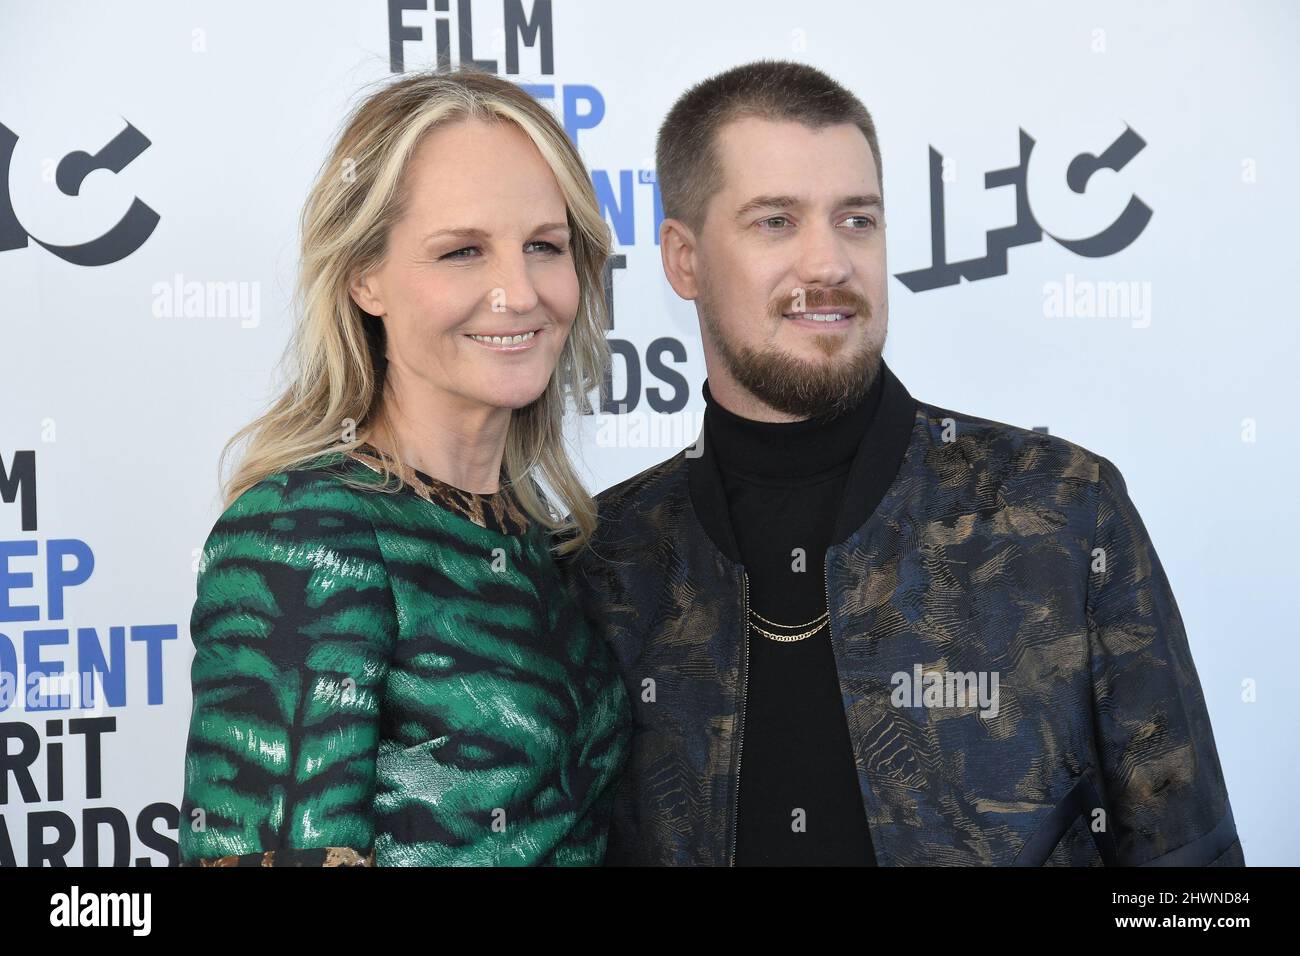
<point x="457" y="442"/>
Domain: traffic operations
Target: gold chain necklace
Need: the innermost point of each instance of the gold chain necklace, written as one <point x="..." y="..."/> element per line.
<point x="820" y="621"/>
<point x="787" y="638"/>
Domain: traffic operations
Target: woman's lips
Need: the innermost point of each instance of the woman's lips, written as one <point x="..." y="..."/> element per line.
<point x="519" y="342"/>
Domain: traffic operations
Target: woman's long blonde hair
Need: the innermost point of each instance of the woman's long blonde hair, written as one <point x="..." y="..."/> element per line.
<point x="334" y="364"/>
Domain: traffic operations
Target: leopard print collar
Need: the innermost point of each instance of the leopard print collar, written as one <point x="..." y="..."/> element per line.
<point x="498" y="512"/>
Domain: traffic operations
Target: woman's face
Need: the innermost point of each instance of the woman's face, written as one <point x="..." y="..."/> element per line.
<point x="478" y="290"/>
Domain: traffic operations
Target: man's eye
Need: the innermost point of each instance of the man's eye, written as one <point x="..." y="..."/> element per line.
<point x="867" y="219"/>
<point x="775" y="219"/>
<point x="457" y="253"/>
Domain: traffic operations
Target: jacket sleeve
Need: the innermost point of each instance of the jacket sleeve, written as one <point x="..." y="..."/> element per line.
<point x="293" y="628"/>
<point x="1166" y="801"/>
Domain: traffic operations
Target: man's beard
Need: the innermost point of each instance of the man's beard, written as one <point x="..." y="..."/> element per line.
<point x="793" y="386"/>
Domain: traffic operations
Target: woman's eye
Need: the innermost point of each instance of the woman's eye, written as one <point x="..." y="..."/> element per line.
<point x="472" y="252"/>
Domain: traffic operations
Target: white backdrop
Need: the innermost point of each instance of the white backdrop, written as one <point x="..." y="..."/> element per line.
<point x="1172" y="355"/>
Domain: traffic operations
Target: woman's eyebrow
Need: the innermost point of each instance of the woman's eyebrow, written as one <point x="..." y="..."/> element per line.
<point x="459" y="232"/>
<point x="473" y="232"/>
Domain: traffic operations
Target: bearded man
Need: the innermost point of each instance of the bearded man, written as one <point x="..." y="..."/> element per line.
<point x="856" y="628"/>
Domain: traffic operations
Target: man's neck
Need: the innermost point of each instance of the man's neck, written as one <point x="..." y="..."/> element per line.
<point x="738" y="400"/>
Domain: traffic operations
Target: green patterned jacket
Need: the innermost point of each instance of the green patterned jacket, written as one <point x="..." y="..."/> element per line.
<point x="392" y="680"/>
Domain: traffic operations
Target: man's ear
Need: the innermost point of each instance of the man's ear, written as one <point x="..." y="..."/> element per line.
<point x="677" y="249"/>
<point x="365" y="294"/>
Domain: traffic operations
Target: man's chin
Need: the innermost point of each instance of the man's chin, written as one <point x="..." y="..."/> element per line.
<point x="816" y="386"/>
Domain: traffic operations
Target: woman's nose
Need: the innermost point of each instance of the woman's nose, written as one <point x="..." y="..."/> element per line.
<point x="515" y="291"/>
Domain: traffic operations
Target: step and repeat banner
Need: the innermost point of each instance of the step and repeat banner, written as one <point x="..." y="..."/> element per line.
<point x="1091" y="213"/>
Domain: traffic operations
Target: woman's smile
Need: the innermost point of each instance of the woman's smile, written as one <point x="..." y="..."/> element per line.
<point x="506" y="341"/>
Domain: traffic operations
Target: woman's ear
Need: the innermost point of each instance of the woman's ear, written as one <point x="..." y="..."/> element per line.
<point x="366" y="295"/>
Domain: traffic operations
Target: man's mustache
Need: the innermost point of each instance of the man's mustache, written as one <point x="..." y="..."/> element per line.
<point x="815" y="299"/>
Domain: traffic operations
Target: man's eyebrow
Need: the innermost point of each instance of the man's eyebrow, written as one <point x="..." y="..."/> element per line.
<point x="765" y="202"/>
<point x="868" y="199"/>
<point x="472" y="232"/>
<point x="786" y="202"/>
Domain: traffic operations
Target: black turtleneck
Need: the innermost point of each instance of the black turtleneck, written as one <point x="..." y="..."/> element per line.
<point x="784" y="482"/>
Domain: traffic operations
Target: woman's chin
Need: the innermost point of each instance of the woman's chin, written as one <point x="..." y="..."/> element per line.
<point x="516" y="394"/>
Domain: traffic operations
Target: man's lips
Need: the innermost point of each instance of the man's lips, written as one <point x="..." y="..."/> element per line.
<point x="821" y="316"/>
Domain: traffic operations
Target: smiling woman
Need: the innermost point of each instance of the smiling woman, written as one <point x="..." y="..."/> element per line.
<point x="477" y="293"/>
<point x="387" y="670"/>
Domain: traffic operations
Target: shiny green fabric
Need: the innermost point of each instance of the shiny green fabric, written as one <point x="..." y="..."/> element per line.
<point x="381" y="680"/>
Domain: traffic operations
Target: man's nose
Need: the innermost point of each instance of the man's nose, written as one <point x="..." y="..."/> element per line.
<point x="823" y="259"/>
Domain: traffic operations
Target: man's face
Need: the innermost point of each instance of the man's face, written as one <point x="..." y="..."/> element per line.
<point x="790" y="269"/>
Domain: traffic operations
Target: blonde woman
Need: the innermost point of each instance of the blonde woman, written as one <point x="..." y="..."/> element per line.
<point x="387" y="670"/>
